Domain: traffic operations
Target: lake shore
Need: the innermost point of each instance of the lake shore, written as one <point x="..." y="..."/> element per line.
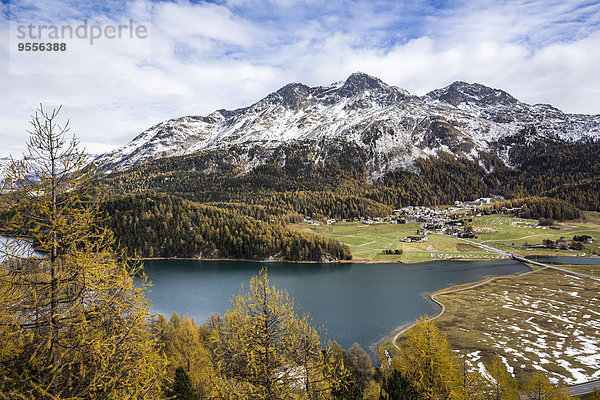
<point x="358" y="261"/>
<point x="353" y="261"/>
<point x="355" y="302"/>
<point x="382" y="346"/>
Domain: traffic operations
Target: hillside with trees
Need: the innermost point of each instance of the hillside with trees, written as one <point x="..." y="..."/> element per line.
<point x="540" y="207"/>
<point x="291" y="181"/>
<point x="166" y="226"/>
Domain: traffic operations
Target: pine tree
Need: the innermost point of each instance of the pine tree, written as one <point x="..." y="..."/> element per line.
<point x="504" y="386"/>
<point x="538" y="387"/>
<point x="182" y="386"/>
<point x="183" y="346"/>
<point x="396" y="386"/>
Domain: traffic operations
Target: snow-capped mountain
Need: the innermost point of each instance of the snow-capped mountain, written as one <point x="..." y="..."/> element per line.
<point x="500" y="107"/>
<point x="391" y="125"/>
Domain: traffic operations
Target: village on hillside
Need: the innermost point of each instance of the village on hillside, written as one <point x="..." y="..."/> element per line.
<point x="453" y="220"/>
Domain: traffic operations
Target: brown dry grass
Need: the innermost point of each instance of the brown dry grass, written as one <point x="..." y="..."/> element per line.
<point x="545" y="320"/>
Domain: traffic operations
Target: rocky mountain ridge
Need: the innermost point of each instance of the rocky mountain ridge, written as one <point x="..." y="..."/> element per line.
<point x="392" y="126"/>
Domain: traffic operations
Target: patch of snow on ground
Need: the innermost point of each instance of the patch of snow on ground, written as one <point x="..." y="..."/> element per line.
<point x="509" y="368"/>
<point x="578" y="376"/>
<point x="483" y="371"/>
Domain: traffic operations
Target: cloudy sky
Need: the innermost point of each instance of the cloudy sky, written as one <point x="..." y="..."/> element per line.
<point x="193" y="57"/>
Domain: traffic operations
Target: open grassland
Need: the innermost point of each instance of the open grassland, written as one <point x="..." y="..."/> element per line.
<point x="545" y="320"/>
<point x="512" y="234"/>
<point x="368" y="242"/>
<point x="505" y="232"/>
<point x="593" y="270"/>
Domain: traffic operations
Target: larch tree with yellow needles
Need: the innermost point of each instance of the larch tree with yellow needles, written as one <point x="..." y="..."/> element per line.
<point x="427" y="361"/>
<point x="73" y="323"/>
<point x="264" y="349"/>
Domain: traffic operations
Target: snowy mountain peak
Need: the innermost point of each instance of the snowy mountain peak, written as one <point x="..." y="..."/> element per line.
<point x="392" y="126"/>
<point x="359" y="81"/>
<point x="293" y="96"/>
<point x="470" y="93"/>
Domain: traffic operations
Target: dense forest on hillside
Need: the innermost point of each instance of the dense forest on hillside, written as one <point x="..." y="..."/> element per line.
<point x="583" y="194"/>
<point x="167" y="226"/>
<point x="293" y="181"/>
<point x="543" y="167"/>
<point x="540" y="207"/>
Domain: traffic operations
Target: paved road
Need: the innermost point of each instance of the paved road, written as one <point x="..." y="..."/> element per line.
<point x="483" y="246"/>
<point x="566" y="271"/>
<point x="584" y="388"/>
<point x="526" y="260"/>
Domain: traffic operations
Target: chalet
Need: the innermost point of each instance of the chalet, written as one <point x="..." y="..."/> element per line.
<point x="415" y="239"/>
<point x="562" y="243"/>
<point x="549" y="243"/>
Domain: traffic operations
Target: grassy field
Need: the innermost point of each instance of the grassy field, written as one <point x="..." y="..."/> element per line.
<point x="545" y="320"/>
<point x="593" y="270"/>
<point x="368" y="242"/>
<point x="512" y="234"/>
<point x="592" y="216"/>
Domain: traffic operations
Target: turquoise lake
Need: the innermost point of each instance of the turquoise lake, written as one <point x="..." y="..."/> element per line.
<point x="361" y="303"/>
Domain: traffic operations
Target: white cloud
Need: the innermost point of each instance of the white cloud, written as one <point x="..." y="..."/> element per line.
<point x="202" y="57"/>
<point x="192" y="22"/>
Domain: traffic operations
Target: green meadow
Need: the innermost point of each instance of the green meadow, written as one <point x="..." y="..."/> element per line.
<point x="369" y="242"/>
<point x="514" y="234"/>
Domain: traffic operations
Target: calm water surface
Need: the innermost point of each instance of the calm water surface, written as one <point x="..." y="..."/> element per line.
<point x="355" y="302"/>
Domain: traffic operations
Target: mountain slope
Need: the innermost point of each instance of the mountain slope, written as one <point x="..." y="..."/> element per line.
<point x="152" y="225"/>
<point x="392" y="127"/>
<point x="500" y="107"/>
